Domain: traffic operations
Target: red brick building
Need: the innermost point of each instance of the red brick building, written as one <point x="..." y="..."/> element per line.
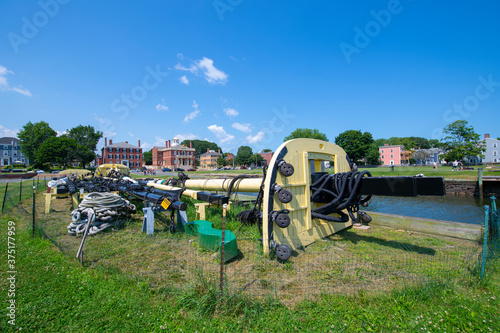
<point x="121" y="153"/>
<point x="174" y="155"/>
<point x="267" y="157"/>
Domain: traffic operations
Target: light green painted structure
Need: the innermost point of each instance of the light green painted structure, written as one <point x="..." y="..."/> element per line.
<point x="211" y="239"/>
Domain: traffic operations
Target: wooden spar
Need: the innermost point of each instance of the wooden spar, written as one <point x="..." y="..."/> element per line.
<point x="187" y="193"/>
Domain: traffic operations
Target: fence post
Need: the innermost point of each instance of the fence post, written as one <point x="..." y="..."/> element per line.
<point x="20" y="190"/>
<point x="480" y="182"/>
<point x="224" y="208"/>
<point x="485" y="240"/>
<point x="34" y="209"/>
<point x="5" y="195"/>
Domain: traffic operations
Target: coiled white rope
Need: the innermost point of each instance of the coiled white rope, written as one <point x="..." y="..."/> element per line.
<point x="108" y="209"/>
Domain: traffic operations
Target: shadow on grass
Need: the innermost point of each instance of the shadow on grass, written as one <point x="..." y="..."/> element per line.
<point x="355" y="238"/>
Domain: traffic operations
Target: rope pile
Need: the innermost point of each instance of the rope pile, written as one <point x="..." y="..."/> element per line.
<point x="103" y="210"/>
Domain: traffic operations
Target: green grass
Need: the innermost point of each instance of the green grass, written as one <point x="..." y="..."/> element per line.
<point x="443" y="171"/>
<point x="134" y="283"/>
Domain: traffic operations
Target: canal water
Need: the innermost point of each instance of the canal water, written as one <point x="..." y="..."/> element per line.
<point x="448" y="207"/>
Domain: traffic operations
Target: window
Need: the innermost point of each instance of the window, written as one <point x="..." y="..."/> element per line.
<point x="14" y="153"/>
<point x="124" y="155"/>
<point x="494" y="145"/>
<point x="495" y="153"/>
<point x="382" y="156"/>
<point x="136" y="157"/>
<point x="392" y="155"/>
<point x="5" y="153"/>
<point x="130" y="157"/>
<point x="382" y="151"/>
<point x="110" y="156"/>
<point x="391" y="151"/>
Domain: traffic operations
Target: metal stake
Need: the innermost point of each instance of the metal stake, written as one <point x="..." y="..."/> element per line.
<point x="224" y="208"/>
<point x="5" y="195"/>
<point x="20" y="189"/>
<point x="485" y="240"/>
<point x="34" y="207"/>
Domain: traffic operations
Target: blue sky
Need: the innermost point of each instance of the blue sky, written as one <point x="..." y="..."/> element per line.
<point x="241" y="72"/>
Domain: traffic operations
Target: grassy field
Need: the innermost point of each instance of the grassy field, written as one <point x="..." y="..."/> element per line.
<point x="443" y="171"/>
<point x="379" y="280"/>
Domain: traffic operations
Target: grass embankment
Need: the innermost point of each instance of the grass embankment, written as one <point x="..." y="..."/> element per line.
<point x="126" y="285"/>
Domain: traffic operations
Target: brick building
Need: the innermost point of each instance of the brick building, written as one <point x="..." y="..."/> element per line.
<point x="121" y="153"/>
<point x="267" y="157"/>
<point x="174" y="155"/>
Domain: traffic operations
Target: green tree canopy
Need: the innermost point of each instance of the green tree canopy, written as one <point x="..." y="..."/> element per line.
<point x="85" y="135"/>
<point x="221" y="161"/>
<point x="257" y="159"/>
<point x="462" y="142"/>
<point x="306" y="133"/>
<point x="267" y="150"/>
<point x="32" y="136"/>
<point x="356" y="144"/>
<point x="58" y="150"/>
<point x="373" y="155"/>
<point x="244" y="155"/>
<point x="201" y="146"/>
<point x="147" y="157"/>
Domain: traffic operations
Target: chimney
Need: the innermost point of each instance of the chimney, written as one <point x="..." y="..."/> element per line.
<point x="169" y="144"/>
<point x="166" y="144"/>
<point x="386" y="144"/>
<point x="208" y="150"/>
<point x="219" y="151"/>
<point x="110" y="142"/>
<point x="126" y="141"/>
<point x="105" y="142"/>
<point x="190" y="145"/>
<point x="487" y="136"/>
<point x="139" y="143"/>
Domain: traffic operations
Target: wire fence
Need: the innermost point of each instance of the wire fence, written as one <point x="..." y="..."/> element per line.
<point x="352" y="261"/>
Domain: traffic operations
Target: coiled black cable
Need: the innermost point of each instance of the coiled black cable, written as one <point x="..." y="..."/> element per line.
<point x="342" y="191"/>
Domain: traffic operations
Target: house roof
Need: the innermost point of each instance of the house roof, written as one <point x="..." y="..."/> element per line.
<point x="122" y="145"/>
<point x="176" y="147"/>
<point x="7" y="140"/>
<point x="211" y="153"/>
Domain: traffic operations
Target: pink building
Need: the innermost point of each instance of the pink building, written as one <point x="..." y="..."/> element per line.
<point x="390" y="155"/>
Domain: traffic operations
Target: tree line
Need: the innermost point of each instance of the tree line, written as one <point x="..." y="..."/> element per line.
<point x="41" y="145"/>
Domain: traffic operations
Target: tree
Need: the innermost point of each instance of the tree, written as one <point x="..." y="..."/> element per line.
<point x="267" y="150"/>
<point x="147" y="157"/>
<point x="462" y="142"/>
<point x="32" y="136"/>
<point x="373" y="155"/>
<point x="85" y="136"/>
<point x="244" y="155"/>
<point x="58" y="150"/>
<point x="201" y="146"/>
<point x="221" y="161"/>
<point x="306" y="133"/>
<point x="356" y="144"/>
<point x="257" y="159"/>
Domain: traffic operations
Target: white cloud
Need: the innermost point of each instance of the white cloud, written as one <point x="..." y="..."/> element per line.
<point x="61" y="133"/>
<point x="8" y="132"/>
<point x="242" y="127"/>
<point x="160" y="141"/>
<point x="255" y="138"/>
<point x="5" y="86"/>
<point x="131" y="134"/>
<point x="206" y="66"/>
<point x="187" y="136"/>
<point x="231" y="112"/>
<point x="221" y="134"/>
<point x="184" y="80"/>
<point x="194" y="114"/>
<point x="180" y="56"/>
<point x="106" y="126"/>
<point x="146" y="146"/>
<point x="162" y="107"/>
